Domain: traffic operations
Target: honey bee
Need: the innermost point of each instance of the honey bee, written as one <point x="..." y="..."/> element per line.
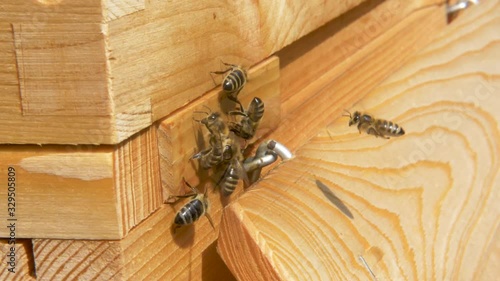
<point x="234" y="170"/>
<point x="233" y="82"/>
<point x="248" y="124"/>
<point x="194" y="209"/>
<point x="217" y="151"/>
<point x="377" y="127"/>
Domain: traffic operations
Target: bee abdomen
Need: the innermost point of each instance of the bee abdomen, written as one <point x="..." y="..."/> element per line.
<point x="234" y="81"/>
<point x="391" y="128"/>
<point x="256" y="109"/>
<point x="190" y="213"/>
<point x="231" y="181"/>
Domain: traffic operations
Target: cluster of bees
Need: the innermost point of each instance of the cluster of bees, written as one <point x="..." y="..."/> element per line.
<point x="227" y="141"/>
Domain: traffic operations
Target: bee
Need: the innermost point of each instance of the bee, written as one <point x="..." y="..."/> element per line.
<point x="377" y="127"/>
<point x="233" y="82"/>
<point x="248" y="124"/>
<point x="234" y="170"/>
<point x="219" y="131"/>
<point x="194" y="209"/>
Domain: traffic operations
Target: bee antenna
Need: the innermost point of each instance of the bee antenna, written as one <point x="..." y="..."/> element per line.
<point x="194" y="189"/>
<point x="209" y="109"/>
<point x="201" y="112"/>
<point x="348" y="113"/>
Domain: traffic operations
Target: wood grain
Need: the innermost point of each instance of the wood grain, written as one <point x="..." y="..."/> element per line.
<point x="150" y="251"/>
<point x="337" y="46"/>
<point x="83" y="192"/>
<point x="24" y="261"/>
<point x="179" y="137"/>
<point x="325" y="98"/>
<point x="418" y="207"/>
<point x="124" y="65"/>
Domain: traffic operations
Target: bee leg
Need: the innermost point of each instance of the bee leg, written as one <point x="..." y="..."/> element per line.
<point x="359" y="127"/>
<point x="234" y="97"/>
<point x="228" y="64"/>
<point x="210" y="220"/>
<point x="217" y="73"/>
<point x="373" y="131"/>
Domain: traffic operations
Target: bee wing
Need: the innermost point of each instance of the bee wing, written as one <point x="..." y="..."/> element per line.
<point x="241" y="171"/>
<point x="200" y="154"/>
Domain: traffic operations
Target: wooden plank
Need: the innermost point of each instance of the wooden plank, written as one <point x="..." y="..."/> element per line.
<point x="179" y="137"/>
<point x="175" y="45"/>
<point x="19" y="263"/>
<point x="150" y="251"/>
<point x="82" y="192"/>
<point x="92" y="79"/>
<point x="422" y="206"/>
<point x="325" y="51"/>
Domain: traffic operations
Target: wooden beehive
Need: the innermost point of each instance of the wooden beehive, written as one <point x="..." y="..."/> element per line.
<point x="96" y="121"/>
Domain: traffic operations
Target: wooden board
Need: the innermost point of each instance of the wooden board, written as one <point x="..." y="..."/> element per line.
<point x="422" y="206"/>
<point x="334" y="48"/>
<point x="125" y="64"/>
<point x="82" y="192"/>
<point x="150" y="251"/>
<point x="18" y="264"/>
<point x="180" y="137"/>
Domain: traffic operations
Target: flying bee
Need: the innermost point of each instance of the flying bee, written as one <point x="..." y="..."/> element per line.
<point x="248" y="124"/>
<point x="233" y="81"/>
<point x="377" y="127"/>
<point x="194" y="209"/>
<point x="219" y="131"/>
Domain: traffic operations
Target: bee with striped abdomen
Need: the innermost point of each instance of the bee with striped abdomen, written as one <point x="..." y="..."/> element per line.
<point x="377" y="127"/>
<point x="234" y="170"/>
<point x="249" y="122"/>
<point x="194" y="209"/>
<point x="219" y="131"/>
<point x="233" y="82"/>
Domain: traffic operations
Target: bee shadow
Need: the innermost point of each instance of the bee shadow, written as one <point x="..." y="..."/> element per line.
<point x="183" y="236"/>
<point x="334" y="199"/>
<point x="226" y="105"/>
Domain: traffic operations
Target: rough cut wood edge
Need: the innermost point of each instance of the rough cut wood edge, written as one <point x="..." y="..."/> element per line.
<point x="137" y="178"/>
<point x="23" y="260"/>
<point x="179" y="137"/>
<point x="149" y="252"/>
<point x="83" y="192"/>
<point x="419" y="207"/>
<point x="131" y="64"/>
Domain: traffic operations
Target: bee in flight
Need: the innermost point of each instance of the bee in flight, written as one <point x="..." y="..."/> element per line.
<point x="233" y="82"/>
<point x="193" y="210"/>
<point x="377" y="127"/>
<point x="249" y="122"/>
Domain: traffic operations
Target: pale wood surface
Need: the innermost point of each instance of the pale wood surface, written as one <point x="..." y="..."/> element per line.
<point x="180" y="137"/>
<point x="341" y="86"/>
<point x="83" y="192"/>
<point x="124" y="64"/>
<point x="423" y="206"/>
<point x="326" y="50"/>
<point x="24" y="268"/>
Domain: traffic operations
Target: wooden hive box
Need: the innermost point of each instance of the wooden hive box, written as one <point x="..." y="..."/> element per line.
<point x="97" y="132"/>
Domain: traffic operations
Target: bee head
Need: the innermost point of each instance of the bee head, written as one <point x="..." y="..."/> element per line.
<point x="354" y="118"/>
